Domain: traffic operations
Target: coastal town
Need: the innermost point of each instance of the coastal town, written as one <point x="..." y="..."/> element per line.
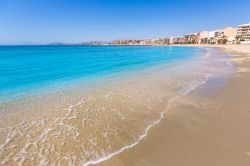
<point x="228" y="35"/>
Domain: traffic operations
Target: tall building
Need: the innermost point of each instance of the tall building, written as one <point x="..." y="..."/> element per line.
<point x="243" y="33"/>
<point x="165" y="41"/>
<point x="230" y="34"/>
<point x="171" y="40"/>
<point x="219" y="37"/>
<point x="211" y="37"/>
<point x="192" y="38"/>
<point x="203" y="37"/>
<point x="178" y="40"/>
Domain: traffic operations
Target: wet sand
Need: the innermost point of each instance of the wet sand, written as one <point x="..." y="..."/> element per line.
<point x="79" y="127"/>
<point x="208" y="129"/>
<point x="137" y="121"/>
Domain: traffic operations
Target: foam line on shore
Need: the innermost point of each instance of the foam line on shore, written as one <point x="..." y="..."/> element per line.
<point x="183" y="92"/>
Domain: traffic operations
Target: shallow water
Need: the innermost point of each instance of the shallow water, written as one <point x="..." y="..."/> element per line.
<point x="26" y="70"/>
<point x="92" y="121"/>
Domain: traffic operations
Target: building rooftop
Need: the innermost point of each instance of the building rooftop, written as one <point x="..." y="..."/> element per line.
<point x="244" y="25"/>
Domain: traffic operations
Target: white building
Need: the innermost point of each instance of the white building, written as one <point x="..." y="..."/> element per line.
<point x="171" y="40"/>
<point x="243" y="33"/>
<point x="203" y="38"/>
<point x="211" y="34"/>
<point x="230" y="34"/>
<point x="211" y="37"/>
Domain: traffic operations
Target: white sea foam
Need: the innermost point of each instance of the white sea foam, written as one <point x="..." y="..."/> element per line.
<point x="106" y="116"/>
<point x="9" y="138"/>
<point x="183" y="91"/>
<point x="193" y="85"/>
<point x="72" y="129"/>
<point x="71" y="107"/>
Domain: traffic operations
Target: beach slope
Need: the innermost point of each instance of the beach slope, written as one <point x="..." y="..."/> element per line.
<point x="202" y="128"/>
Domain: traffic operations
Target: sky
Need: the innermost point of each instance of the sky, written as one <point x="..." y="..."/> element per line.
<point x="72" y="21"/>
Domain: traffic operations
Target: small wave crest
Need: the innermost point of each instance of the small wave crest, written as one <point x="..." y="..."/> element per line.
<point x="185" y="90"/>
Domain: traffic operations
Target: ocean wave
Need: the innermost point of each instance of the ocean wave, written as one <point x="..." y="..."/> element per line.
<point x="185" y="90"/>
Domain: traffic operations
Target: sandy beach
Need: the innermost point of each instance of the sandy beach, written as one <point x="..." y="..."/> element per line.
<point x="202" y="128"/>
<point x="190" y="112"/>
<point x="124" y="83"/>
<point x="87" y="124"/>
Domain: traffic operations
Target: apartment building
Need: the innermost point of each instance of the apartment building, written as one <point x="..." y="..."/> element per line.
<point x="171" y="40"/>
<point x="243" y="33"/>
<point x="203" y="37"/>
<point x="230" y="34"/>
<point x="192" y="38"/>
<point x="165" y="41"/>
<point x="178" y="40"/>
<point x="211" y="38"/>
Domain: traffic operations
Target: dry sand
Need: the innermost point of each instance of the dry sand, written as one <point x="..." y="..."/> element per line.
<point x="201" y="129"/>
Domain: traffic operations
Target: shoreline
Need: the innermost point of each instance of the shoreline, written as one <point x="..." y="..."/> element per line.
<point x="72" y="119"/>
<point x="46" y="127"/>
<point x="229" y="48"/>
<point x="192" y="119"/>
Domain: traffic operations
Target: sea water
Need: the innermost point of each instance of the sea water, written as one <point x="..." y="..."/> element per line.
<point x="28" y="69"/>
<point x="81" y="105"/>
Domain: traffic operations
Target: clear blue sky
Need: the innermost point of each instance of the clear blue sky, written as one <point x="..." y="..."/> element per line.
<point x="45" y="21"/>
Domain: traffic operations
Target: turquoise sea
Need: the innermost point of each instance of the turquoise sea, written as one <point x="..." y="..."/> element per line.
<point x="27" y="70"/>
<point x="82" y="105"/>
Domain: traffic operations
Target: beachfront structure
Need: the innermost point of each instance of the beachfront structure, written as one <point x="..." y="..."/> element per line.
<point x="160" y="41"/>
<point x="216" y="37"/>
<point x="171" y="40"/>
<point x="178" y="40"/>
<point x="128" y="42"/>
<point x="118" y="42"/>
<point x="166" y="41"/>
<point x="219" y="37"/>
<point x="211" y="37"/>
<point x="243" y="33"/>
<point x="148" y="42"/>
<point x="203" y="37"/>
<point x="230" y="34"/>
<point x="192" y="38"/>
<point x="151" y="41"/>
